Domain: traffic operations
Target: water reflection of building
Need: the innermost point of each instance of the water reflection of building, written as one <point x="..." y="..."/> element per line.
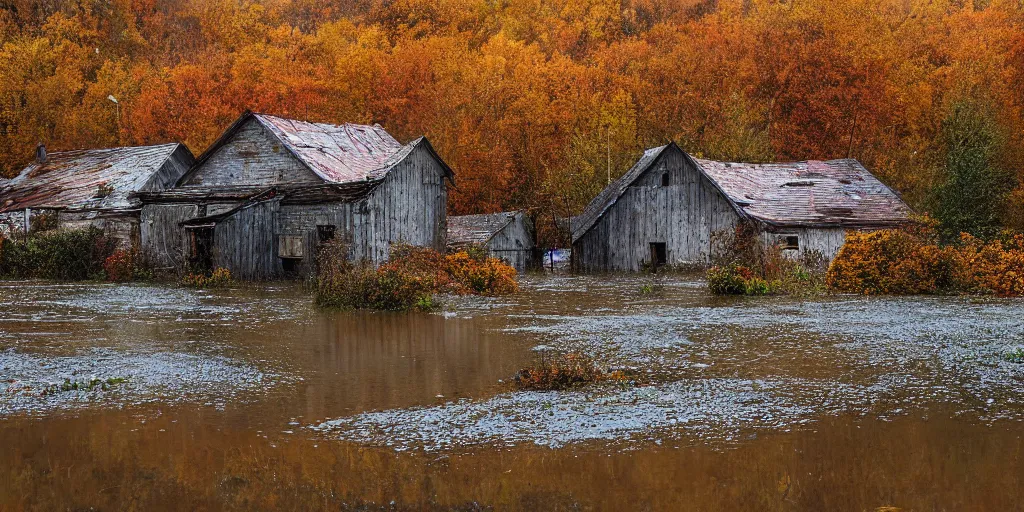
<point x="669" y="207"/>
<point x="270" y="190"/>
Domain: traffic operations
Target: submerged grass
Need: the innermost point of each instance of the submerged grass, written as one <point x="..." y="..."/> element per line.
<point x="85" y="385"/>
<point x="565" y="371"/>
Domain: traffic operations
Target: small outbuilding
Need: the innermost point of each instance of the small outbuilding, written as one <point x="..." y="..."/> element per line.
<point x="93" y="187"/>
<point x="668" y="208"/>
<point x="508" y="236"/>
<point x="270" y="191"/>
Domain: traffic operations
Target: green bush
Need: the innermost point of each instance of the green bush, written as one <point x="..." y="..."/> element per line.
<point x="69" y="255"/>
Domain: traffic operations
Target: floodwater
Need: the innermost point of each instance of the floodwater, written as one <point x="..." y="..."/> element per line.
<point x="145" y="397"/>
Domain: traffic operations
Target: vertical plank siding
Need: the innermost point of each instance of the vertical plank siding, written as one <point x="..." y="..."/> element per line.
<point x="245" y="243"/>
<point x="409" y="205"/>
<point x="515" y="243"/>
<point x="163" y="238"/>
<point x="682" y="215"/>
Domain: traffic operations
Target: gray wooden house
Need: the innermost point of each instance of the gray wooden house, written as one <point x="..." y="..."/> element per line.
<point x="94" y="187"/>
<point x="508" y="236"/>
<point x="668" y="207"/>
<point x="270" y="191"/>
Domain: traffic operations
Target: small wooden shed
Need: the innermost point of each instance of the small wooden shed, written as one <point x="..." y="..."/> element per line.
<point x="264" y="197"/>
<point x="93" y="187"/>
<point x="506" y="235"/>
<point x="668" y="207"/>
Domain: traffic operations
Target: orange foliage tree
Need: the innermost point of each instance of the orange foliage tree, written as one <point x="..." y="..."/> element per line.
<point x="528" y="100"/>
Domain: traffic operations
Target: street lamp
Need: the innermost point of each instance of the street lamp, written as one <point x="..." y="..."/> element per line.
<point x="117" y="109"/>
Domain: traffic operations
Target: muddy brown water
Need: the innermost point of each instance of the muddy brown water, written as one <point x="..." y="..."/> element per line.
<point x="250" y="398"/>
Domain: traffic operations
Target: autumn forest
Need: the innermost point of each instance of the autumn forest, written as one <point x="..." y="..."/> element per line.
<point x="533" y="101"/>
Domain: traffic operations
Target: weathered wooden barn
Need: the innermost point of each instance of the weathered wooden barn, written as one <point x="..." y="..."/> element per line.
<point x="667" y="209"/>
<point x="506" y="235"/>
<point x="95" y="187"/>
<point x="270" y="191"/>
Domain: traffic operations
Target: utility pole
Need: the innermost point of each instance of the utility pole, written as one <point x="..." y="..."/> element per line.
<point x="609" y="153"/>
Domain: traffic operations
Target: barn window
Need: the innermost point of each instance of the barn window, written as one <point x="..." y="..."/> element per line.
<point x="290" y="246"/>
<point x="325" y="233"/>
<point x="791" y="242"/>
<point x="664" y="179"/>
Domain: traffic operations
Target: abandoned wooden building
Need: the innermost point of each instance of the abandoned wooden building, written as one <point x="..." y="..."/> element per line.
<point x="95" y="187"/>
<point x="668" y="208"/>
<point x="508" y="236"/>
<point x="262" y="199"/>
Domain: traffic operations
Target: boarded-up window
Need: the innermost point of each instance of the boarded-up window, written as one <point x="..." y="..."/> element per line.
<point x="325" y="233"/>
<point x="290" y="246"/>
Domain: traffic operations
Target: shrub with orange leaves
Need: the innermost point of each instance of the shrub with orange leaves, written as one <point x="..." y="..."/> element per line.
<point x="481" y="276"/>
<point x="408" y="280"/>
<point x="563" y="372"/>
<point x="911" y="261"/>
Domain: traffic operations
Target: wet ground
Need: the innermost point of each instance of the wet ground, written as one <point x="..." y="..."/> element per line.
<point x="148" y="397"/>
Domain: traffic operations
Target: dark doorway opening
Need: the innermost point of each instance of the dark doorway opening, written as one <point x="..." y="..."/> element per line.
<point x="200" y="242"/>
<point x="290" y="265"/>
<point x="664" y="180"/>
<point x="659" y="255"/>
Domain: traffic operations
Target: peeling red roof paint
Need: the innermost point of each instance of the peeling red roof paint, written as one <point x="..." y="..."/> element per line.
<point x="85" y="179"/>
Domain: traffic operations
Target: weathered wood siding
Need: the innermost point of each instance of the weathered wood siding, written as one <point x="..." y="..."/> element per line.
<point x="682" y="215"/>
<point x="163" y="238"/>
<point x="409" y="206"/>
<point x="825" y="241"/>
<point x="252" y="157"/>
<point x="301" y="220"/>
<point x="171" y="171"/>
<point x="245" y="243"/>
<point x="514" y="243"/>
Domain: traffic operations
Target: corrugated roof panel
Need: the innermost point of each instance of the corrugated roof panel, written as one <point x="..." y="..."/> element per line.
<point x="476" y="229"/>
<point x="83" y="179"/>
<point x="337" y="153"/>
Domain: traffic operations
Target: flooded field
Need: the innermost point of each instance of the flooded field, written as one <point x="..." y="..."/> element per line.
<point x="149" y="398"/>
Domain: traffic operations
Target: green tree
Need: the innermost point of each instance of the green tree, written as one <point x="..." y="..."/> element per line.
<point x="972" y="197"/>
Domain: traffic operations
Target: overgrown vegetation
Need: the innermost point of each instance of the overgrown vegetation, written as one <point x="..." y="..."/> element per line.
<point x="914" y="261"/>
<point x="63" y="255"/>
<point x="564" y="371"/>
<point x="743" y="264"/>
<point x="217" y="278"/>
<point x="85" y="385"/>
<point x="409" y="280"/>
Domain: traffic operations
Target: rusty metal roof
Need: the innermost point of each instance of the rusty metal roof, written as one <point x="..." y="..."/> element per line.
<point x="337" y="153"/>
<point x="477" y="229"/>
<point x="814" y="193"/>
<point x="834" y="193"/>
<point x="86" y="179"/>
